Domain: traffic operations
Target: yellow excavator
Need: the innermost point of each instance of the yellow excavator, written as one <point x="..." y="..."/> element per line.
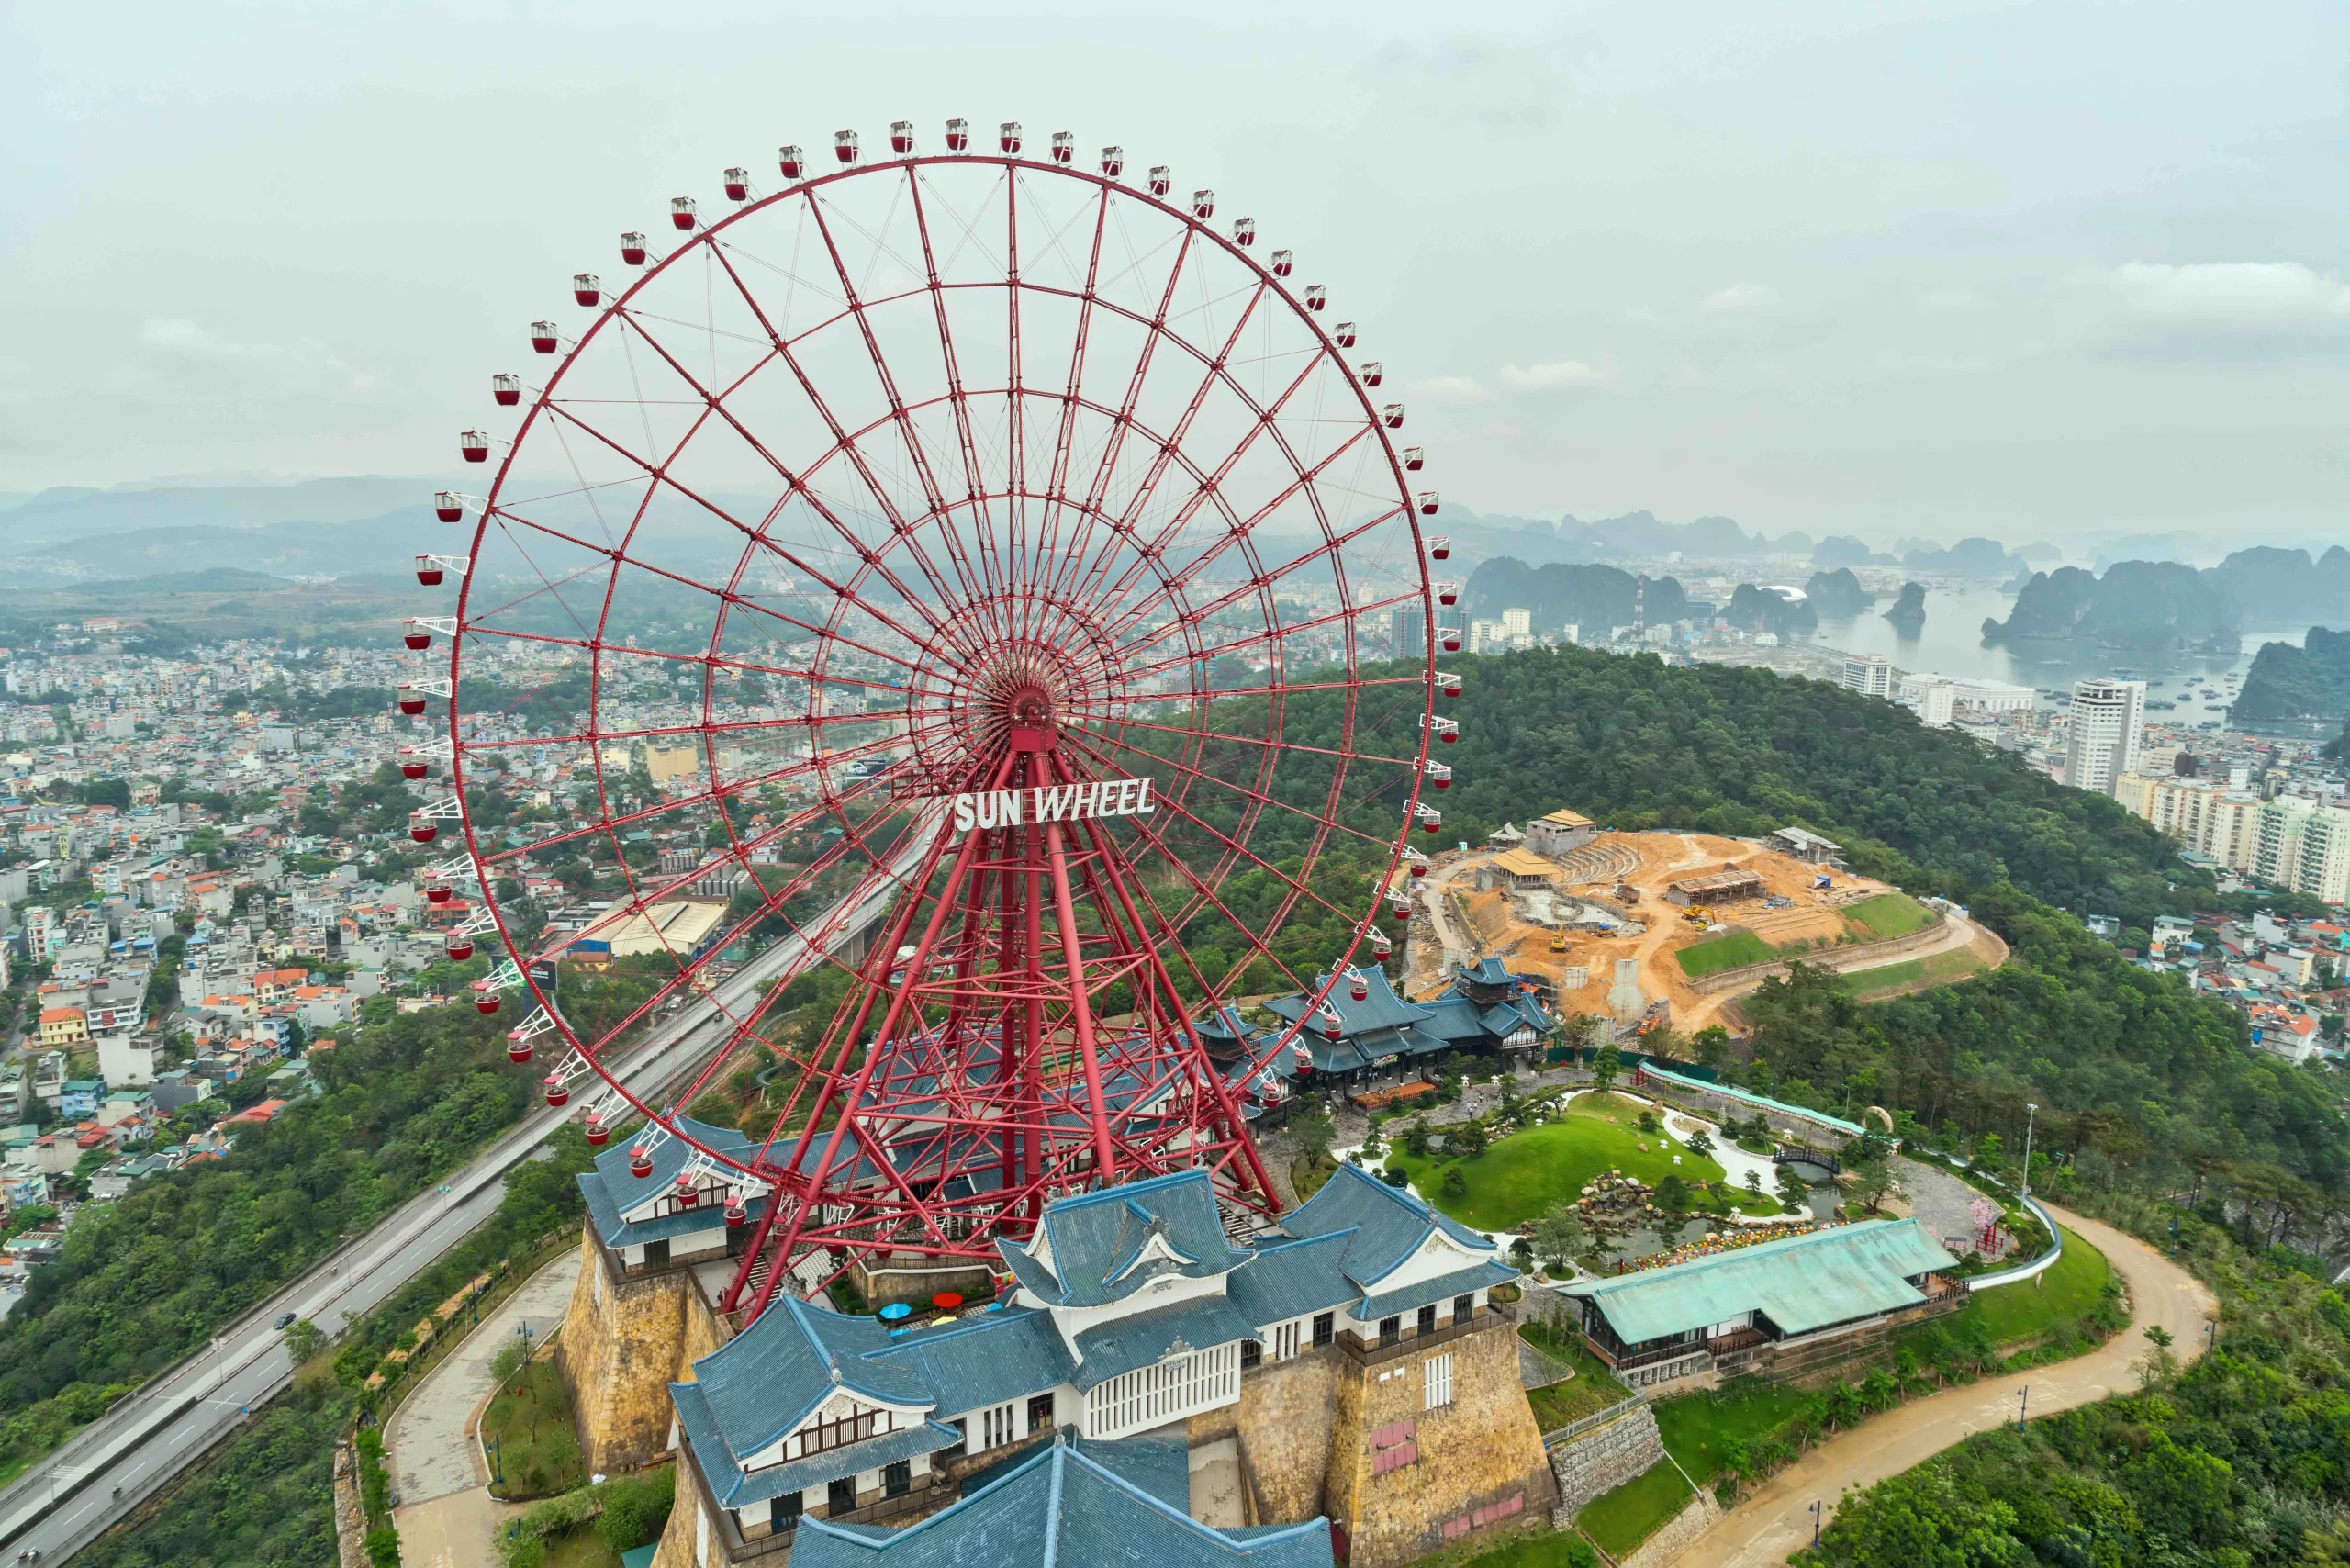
<point x="1558" y="940"/>
<point x="1698" y="915"/>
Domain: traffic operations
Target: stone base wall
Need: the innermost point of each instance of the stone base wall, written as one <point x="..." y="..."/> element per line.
<point x="676" y="1548"/>
<point x="1284" y="1422"/>
<point x="1604" y="1458"/>
<point x="623" y="1342"/>
<point x="1477" y="1462"/>
<point x="1677" y="1535"/>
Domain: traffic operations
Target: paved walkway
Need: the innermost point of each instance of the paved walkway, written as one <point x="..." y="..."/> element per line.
<point x="446" y="1514"/>
<point x="1777" y="1520"/>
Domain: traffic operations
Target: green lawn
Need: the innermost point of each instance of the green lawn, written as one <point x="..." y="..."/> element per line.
<point x="580" y="1548"/>
<point x="1888" y="915"/>
<point x="1541" y="1549"/>
<point x="1695" y="1426"/>
<point x="2068" y="1290"/>
<point x="1938" y="967"/>
<point x="1731" y="950"/>
<point x="1524" y="1174"/>
<point x="539" y="1442"/>
<point x="1619" y="1520"/>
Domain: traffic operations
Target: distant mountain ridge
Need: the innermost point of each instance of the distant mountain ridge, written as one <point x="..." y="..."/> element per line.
<point x="2311" y="681"/>
<point x="1561" y="593"/>
<point x="2142" y="605"/>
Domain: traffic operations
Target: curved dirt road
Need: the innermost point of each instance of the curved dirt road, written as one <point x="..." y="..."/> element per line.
<point x="1777" y="1520"/>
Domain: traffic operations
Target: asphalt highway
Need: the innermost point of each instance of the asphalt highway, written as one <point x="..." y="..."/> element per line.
<point x="63" y="1503"/>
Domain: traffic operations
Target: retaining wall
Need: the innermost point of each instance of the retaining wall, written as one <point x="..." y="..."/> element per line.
<point x="1604" y="1458"/>
<point x="1677" y="1535"/>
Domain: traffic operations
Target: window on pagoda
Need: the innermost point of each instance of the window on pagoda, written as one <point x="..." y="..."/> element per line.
<point x="852" y="1426"/>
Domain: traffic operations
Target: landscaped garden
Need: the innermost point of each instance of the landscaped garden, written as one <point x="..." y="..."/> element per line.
<point x="2072" y="1288"/>
<point x="1593" y="1388"/>
<point x="538" y="1442"/>
<point x="1523" y="1175"/>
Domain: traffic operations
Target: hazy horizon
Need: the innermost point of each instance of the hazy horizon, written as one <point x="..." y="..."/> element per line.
<point x="2043" y="273"/>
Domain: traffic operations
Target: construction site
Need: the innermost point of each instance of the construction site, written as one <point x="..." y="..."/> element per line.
<point x="1651" y="927"/>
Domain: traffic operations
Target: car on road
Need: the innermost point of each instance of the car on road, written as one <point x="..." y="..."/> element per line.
<point x="285" y="1320"/>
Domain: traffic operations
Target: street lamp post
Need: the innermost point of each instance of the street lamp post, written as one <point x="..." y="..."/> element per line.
<point x="1815" y="1521"/>
<point x="2024" y="1405"/>
<point x="2031" y="1116"/>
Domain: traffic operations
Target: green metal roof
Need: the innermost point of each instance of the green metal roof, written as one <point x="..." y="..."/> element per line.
<point x="1802" y="1284"/>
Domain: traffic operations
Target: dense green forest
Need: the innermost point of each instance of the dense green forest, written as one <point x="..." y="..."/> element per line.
<point x="2130" y="1068"/>
<point x="266" y="1499"/>
<point x="146" y="1278"/>
<point x="1638" y="744"/>
<point x="2242" y="1461"/>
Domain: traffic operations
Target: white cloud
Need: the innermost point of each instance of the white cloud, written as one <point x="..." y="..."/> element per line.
<point x="1549" y="377"/>
<point x="1742" y="296"/>
<point x="2232" y="292"/>
<point x="189" y="341"/>
<point x="1454" y="389"/>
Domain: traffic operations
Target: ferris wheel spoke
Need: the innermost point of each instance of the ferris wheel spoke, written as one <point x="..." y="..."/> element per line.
<point x="1169" y="452"/>
<point x="1298" y="746"/>
<point x="608" y="824"/>
<point x="1261" y="578"/>
<point x="1064" y="440"/>
<point x="589" y="645"/>
<point x="713" y="725"/>
<point x="1174" y="803"/>
<point x="795" y="485"/>
<point x="1122" y="420"/>
<point x="1286" y="687"/>
<point x="1205" y="890"/>
<point x="966" y="440"/>
<point x="1254" y="639"/>
<point x="795" y="489"/>
<point x="849" y="449"/>
<point x="939" y="627"/>
<point x="1210" y="489"/>
<point x="550" y="588"/>
<point x="1258" y="799"/>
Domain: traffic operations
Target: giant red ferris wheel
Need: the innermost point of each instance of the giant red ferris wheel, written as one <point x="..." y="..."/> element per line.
<point x="984" y="555"/>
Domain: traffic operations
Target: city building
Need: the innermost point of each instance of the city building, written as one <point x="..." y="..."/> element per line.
<point x="2109" y="718"/>
<point x="1802" y="844"/>
<point x="2303" y="845"/>
<point x="1560" y="833"/>
<point x="1407" y="633"/>
<point x="1935" y="700"/>
<point x="1518" y="623"/>
<point x="1868" y="675"/>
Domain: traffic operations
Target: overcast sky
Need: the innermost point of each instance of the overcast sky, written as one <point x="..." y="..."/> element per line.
<point x="2037" y="270"/>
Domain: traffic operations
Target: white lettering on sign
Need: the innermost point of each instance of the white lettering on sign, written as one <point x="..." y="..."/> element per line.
<point x="1052" y="803"/>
